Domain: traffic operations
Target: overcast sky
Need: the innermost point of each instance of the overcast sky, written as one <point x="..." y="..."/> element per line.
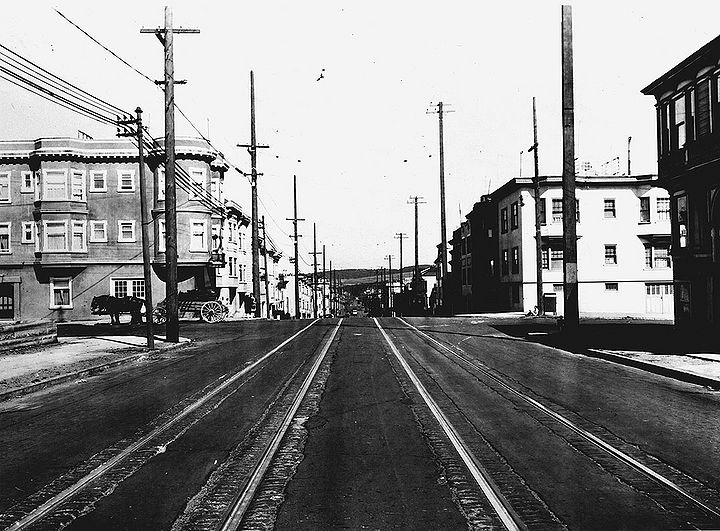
<point x="359" y="139"/>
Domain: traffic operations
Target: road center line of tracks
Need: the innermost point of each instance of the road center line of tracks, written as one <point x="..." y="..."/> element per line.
<point x="69" y="492"/>
<point x="620" y="455"/>
<point x="237" y="512"/>
<point x="498" y="502"/>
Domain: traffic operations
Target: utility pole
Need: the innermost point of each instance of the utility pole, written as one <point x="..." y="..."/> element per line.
<point x="521" y="154"/>
<point x="416" y="200"/>
<point x="165" y="35"/>
<point x="390" y="282"/>
<point x="144" y="224"/>
<point x="332" y="301"/>
<point x="295" y="237"/>
<point x="267" y="275"/>
<point x="400" y="236"/>
<point x="629" y="139"/>
<point x="570" y="293"/>
<point x="324" y="282"/>
<point x="315" y="288"/>
<point x="443" y="226"/>
<point x="255" y="244"/>
<point x="538" y="218"/>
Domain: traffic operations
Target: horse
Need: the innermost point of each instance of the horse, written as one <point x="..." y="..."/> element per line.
<point x="114" y="306"/>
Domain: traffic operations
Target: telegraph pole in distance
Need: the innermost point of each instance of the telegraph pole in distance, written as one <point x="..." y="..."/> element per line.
<point x="332" y="306"/>
<point x="443" y="225"/>
<point x="165" y="35"/>
<point x="416" y="200"/>
<point x="401" y="236"/>
<point x="252" y="150"/>
<point x="314" y="253"/>
<point x="324" y="282"/>
<point x="570" y="293"/>
<point x="295" y="237"/>
<point x="267" y="276"/>
<point x="390" y="282"/>
<point x="538" y="218"/>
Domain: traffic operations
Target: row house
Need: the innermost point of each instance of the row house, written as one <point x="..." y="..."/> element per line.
<point x="70" y="223"/>
<point x="623" y="228"/>
<point x="230" y="241"/>
<point x="687" y="103"/>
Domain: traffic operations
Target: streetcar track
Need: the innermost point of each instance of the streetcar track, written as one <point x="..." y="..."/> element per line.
<point x="48" y="506"/>
<point x="584" y="434"/>
<point x="497" y="500"/>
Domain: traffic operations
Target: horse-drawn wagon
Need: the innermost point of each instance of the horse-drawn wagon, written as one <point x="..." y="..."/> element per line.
<point x="202" y="303"/>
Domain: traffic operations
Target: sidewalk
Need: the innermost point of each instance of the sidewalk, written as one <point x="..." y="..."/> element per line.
<point x="30" y="369"/>
<point x="652" y="346"/>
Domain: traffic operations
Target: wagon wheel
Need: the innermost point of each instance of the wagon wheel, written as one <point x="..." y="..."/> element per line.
<point x="212" y="312"/>
<point x="159" y="316"/>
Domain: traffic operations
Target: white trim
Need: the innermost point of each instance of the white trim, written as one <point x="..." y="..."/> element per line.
<point x="3" y="225"/>
<point x="161" y="238"/>
<point x="93" y="224"/>
<point x="6" y="175"/>
<point x="83" y="247"/>
<point x="83" y="185"/>
<point x="94" y="173"/>
<point x="128" y="285"/>
<point x="31" y="226"/>
<point x="120" y="174"/>
<point x="192" y="235"/>
<point x="58" y="172"/>
<point x="52" y="304"/>
<point x="27" y="189"/>
<point x="161" y="184"/>
<point x="119" y="227"/>
<point x="45" y="236"/>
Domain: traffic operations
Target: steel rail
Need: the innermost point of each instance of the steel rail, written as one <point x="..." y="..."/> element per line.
<point x="502" y="507"/>
<point x="239" y="508"/>
<point x="49" y="505"/>
<point x="618" y="454"/>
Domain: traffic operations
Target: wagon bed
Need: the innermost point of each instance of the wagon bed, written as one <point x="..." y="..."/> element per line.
<point x="197" y="303"/>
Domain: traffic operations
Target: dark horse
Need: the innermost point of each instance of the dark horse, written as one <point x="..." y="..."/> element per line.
<point x="114" y="306"/>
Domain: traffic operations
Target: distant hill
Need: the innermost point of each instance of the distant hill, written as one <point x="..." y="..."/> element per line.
<point x="352" y="277"/>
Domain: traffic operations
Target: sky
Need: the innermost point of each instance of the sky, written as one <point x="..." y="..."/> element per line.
<point x="360" y="139"/>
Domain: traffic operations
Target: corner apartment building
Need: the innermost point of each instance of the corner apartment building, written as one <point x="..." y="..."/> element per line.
<point x="623" y="226"/>
<point x="687" y="103"/>
<point x="70" y="223"/>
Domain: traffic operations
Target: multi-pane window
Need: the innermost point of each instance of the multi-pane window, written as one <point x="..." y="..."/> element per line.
<point x="5" y="187"/>
<point x="126" y="230"/>
<point x="161" y="183"/>
<point x="515" y="260"/>
<point x="679" y="126"/>
<point x="692" y="133"/>
<point x="504" y="220"/>
<point x="505" y="262"/>
<point x="665" y="128"/>
<point x="55" y="185"/>
<point x="682" y="214"/>
<point x="514" y="216"/>
<point x="77" y="186"/>
<point x="611" y="254"/>
<point x="60" y="293"/>
<point x="78" y="236"/>
<point x="98" y="181"/>
<point x="558" y="288"/>
<point x="552" y="258"/>
<point x="123" y="287"/>
<point x="98" y="231"/>
<point x="611" y="286"/>
<point x="27" y="181"/>
<point x="126" y="180"/>
<point x="543" y="212"/>
<point x="609" y="208"/>
<point x="28" y="232"/>
<point x="644" y="210"/>
<point x="657" y="256"/>
<point x="56" y="236"/>
<point x="197" y="236"/>
<point x="161" y="236"/>
<point x="5" y="231"/>
<point x="557" y="213"/>
<point x="663" y="208"/>
<point x="215" y="236"/>
<point x="197" y="177"/>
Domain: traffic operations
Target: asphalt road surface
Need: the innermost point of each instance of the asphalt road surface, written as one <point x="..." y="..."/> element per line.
<point x="416" y="423"/>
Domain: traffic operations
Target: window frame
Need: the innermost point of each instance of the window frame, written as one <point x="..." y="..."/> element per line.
<point x="23" y="182"/>
<point x="93" y="224"/>
<point x="129" y="288"/>
<point x="664" y="214"/>
<point x="125" y="173"/>
<point x="73" y="225"/>
<point x="78" y="176"/>
<point x="120" y="239"/>
<point x="514" y="216"/>
<point x="554" y="202"/>
<point x="613" y="287"/>
<point x="46" y="224"/>
<point x="609" y="208"/>
<point x="504" y="220"/>
<point x="505" y="262"/>
<point x="198" y="190"/>
<point x="53" y="306"/>
<point x="6" y="225"/>
<point x="25" y="225"/>
<point x="193" y="223"/>
<point x="6" y="175"/>
<point x="645" y="199"/>
<point x="611" y="255"/>
<point x="95" y="173"/>
<point x="161" y="183"/>
<point x="515" y="261"/>
<point x="161" y="236"/>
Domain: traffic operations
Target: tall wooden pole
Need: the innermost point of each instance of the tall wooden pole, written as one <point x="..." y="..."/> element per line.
<point x="267" y="272"/>
<point x="324" y="282"/>
<point x="401" y="236"/>
<point x="315" y="302"/>
<point x="570" y="293"/>
<point x="145" y="232"/>
<point x="443" y="226"/>
<point x="538" y="218"/>
<point x="390" y="283"/>
<point x="297" y="256"/>
<point x="332" y="300"/>
<point x="253" y="185"/>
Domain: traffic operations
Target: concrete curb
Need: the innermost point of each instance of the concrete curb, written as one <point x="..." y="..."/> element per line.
<point x="656" y="369"/>
<point x="62" y="378"/>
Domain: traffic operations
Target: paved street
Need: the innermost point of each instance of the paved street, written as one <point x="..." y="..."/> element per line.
<point x="415" y="423"/>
